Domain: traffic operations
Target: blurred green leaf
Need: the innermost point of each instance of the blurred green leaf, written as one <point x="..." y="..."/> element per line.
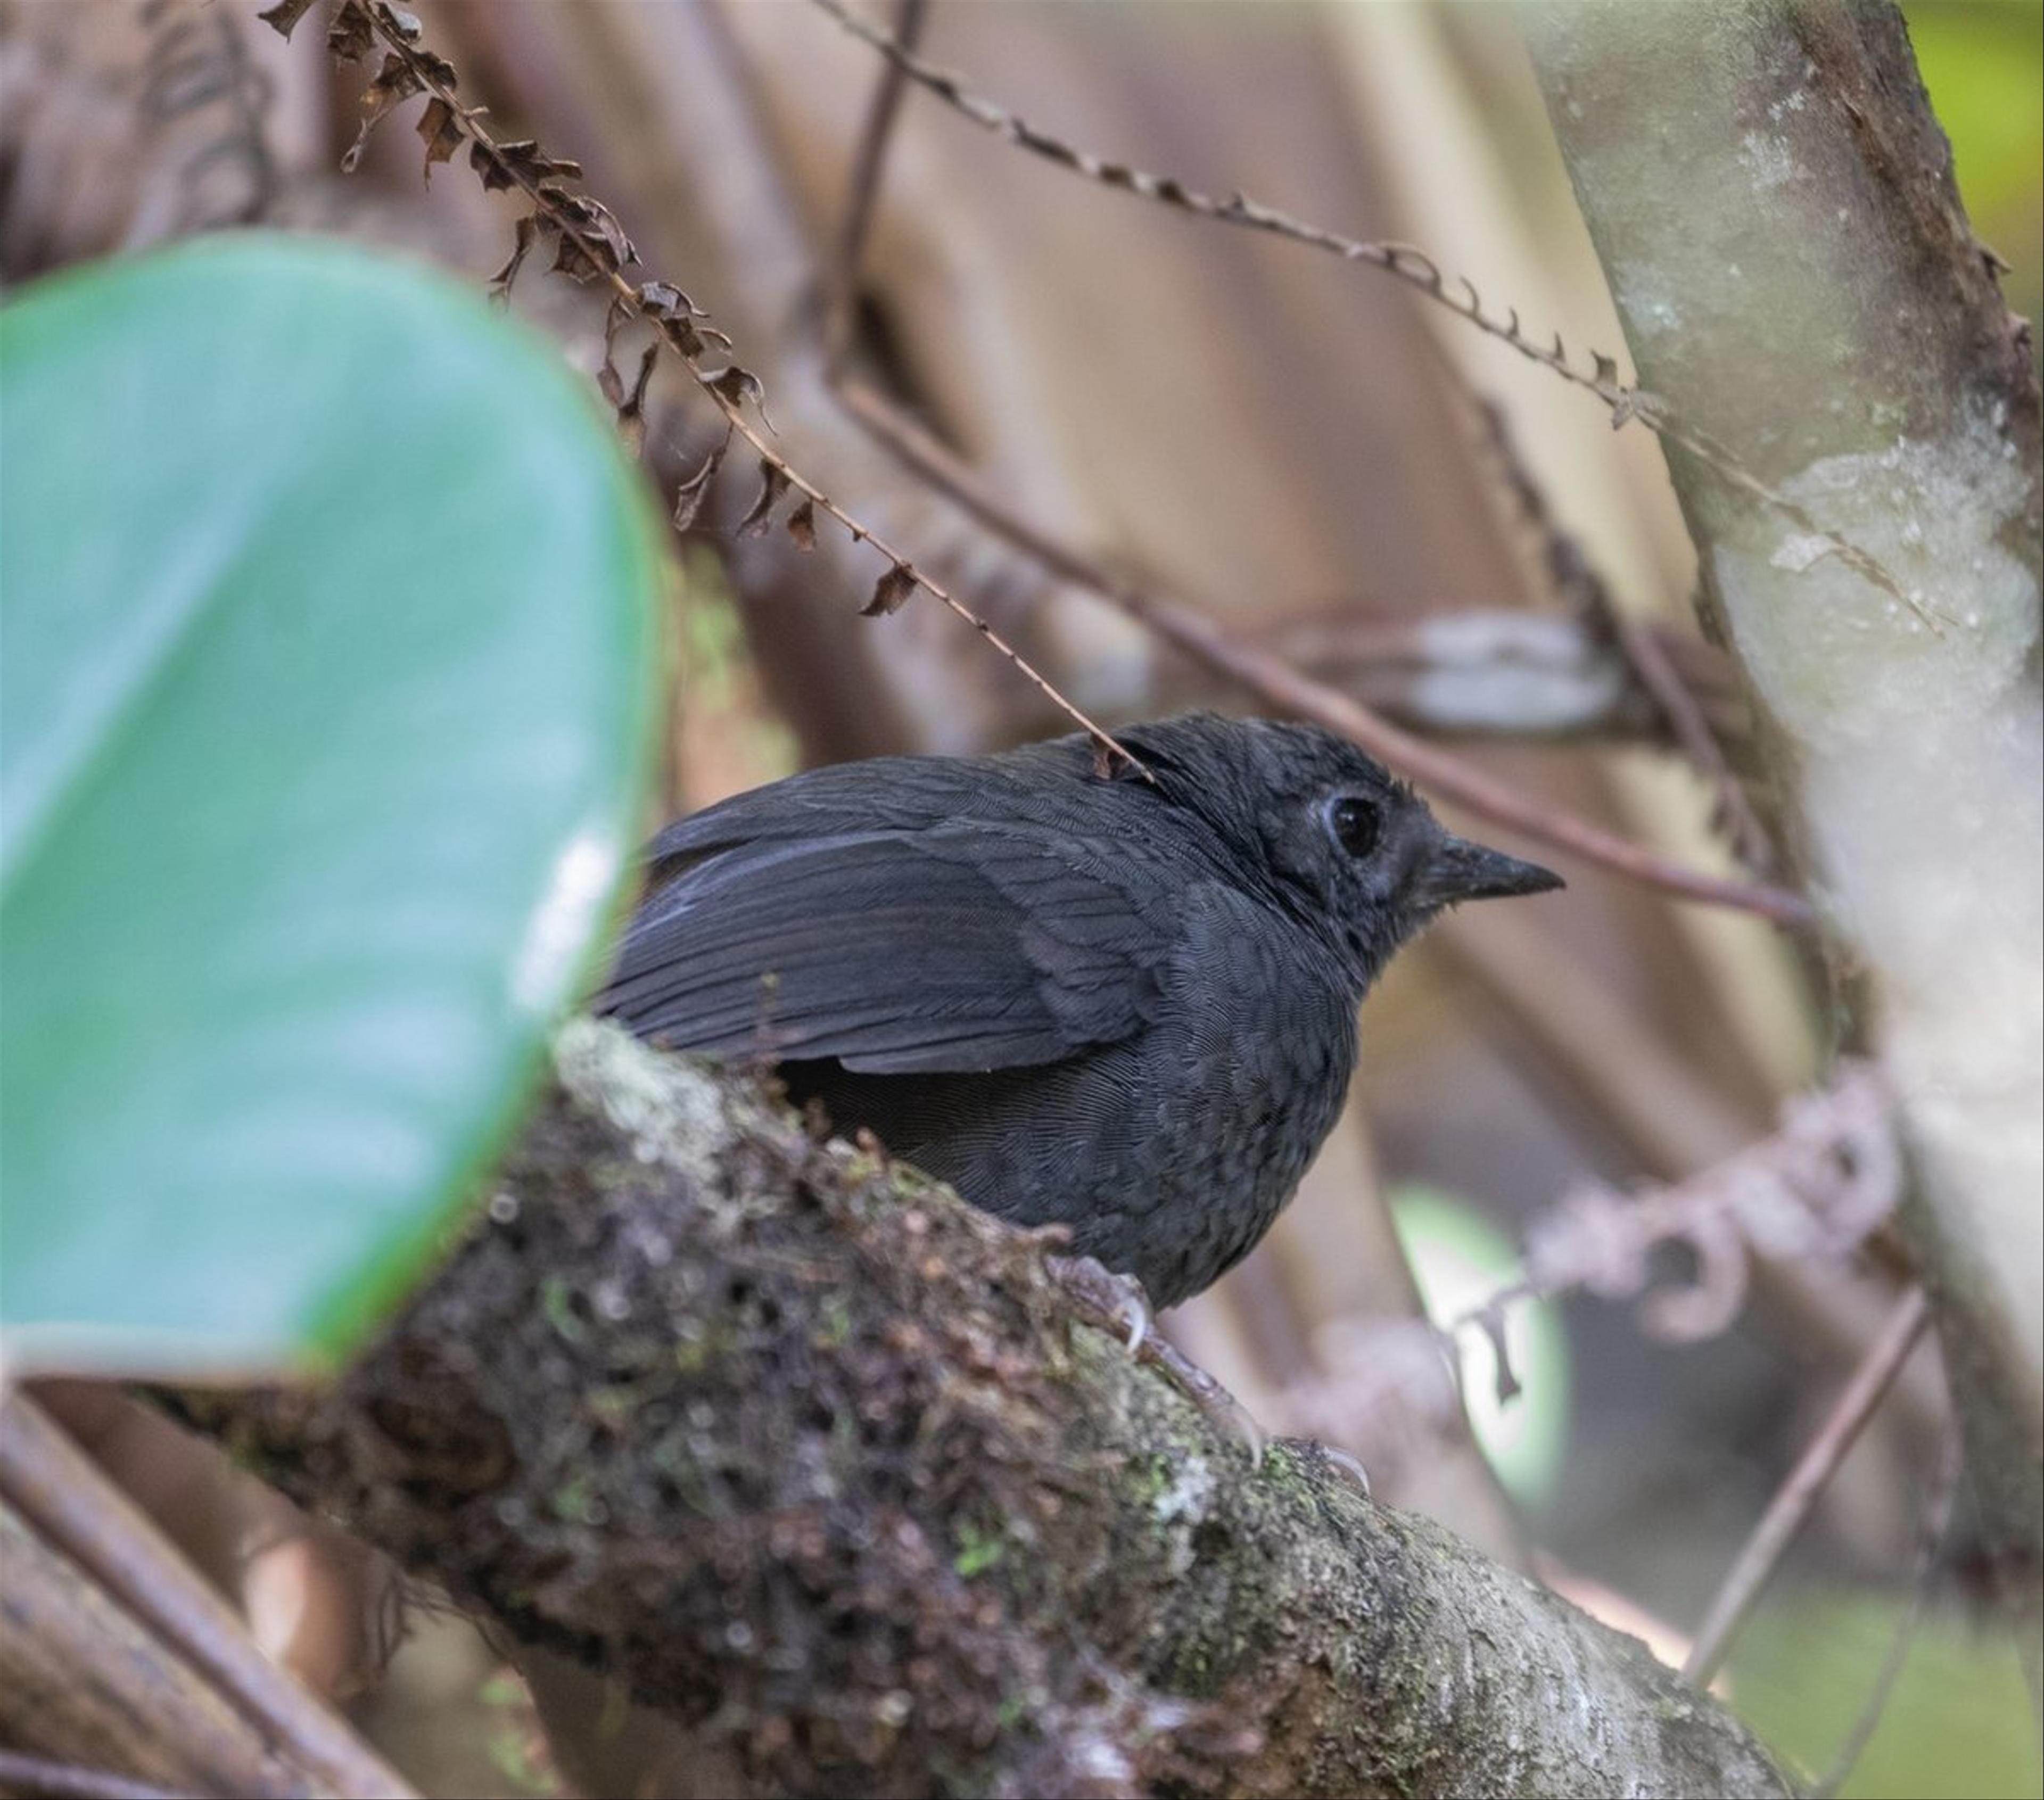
<point x="325" y="704"/>
<point x="1979" y="59"/>
<point x="1982" y="61"/>
<point x="1459" y="1259"/>
<point x="1957" y="1725"/>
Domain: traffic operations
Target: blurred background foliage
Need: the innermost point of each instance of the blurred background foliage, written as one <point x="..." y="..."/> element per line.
<point x="1294" y="447"/>
<point x="1956" y="1722"/>
<point x="1980" y="61"/>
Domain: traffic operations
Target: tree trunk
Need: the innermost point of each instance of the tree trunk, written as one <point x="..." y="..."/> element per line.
<point x="1774" y="203"/>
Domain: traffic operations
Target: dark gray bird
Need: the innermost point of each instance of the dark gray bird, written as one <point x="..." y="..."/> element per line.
<point x="1123" y="1005"/>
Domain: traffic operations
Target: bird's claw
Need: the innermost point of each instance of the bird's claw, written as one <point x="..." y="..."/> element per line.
<point x="1351" y="1466"/>
<point x="1117" y="1300"/>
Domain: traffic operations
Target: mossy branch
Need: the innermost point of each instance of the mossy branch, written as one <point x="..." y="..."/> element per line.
<point x="821" y="1463"/>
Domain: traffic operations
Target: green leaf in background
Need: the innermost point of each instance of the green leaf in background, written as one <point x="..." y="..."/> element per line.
<point x="1957" y="1726"/>
<point x="1982" y="61"/>
<point x="324" y="707"/>
<point x="1460" y="1259"/>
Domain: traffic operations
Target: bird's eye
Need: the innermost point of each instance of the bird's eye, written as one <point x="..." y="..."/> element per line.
<point x="1356" y="823"/>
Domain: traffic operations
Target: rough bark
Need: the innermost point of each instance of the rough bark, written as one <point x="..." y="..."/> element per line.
<point x="1774" y="206"/>
<point x="821" y="1464"/>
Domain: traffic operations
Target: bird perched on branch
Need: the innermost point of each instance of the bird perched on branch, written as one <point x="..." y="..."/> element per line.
<point x="1126" y="1005"/>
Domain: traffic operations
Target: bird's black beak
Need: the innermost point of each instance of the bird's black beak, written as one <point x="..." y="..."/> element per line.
<point x="1459" y="870"/>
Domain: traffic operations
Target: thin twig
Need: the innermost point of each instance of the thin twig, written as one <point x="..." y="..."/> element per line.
<point x="37" y="1778"/>
<point x="1579" y="583"/>
<point x="1268" y="675"/>
<point x="1791" y="1507"/>
<point x="1263" y="672"/>
<point x="1259" y="669"/>
<point x="1639" y="644"/>
<point x="1407" y="264"/>
<point x="840" y="286"/>
<point x="659" y="305"/>
<point x="1411" y="265"/>
<point x="72" y="1503"/>
<point x="1648" y="655"/>
<point x="1937" y="1502"/>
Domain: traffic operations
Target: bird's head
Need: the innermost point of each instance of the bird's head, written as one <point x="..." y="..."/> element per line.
<point x="1341" y="843"/>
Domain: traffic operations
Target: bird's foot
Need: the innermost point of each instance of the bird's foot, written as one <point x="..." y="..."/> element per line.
<point x="1118" y="1304"/>
<point x="1209" y="1396"/>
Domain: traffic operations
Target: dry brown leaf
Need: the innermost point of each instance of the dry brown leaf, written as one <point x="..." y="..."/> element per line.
<point x="891" y="592"/>
<point x="440" y="126"/>
<point x="283" y="17"/>
<point x="773" y="484"/>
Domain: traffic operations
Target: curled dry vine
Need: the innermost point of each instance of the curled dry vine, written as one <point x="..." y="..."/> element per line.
<point x="1816" y="1190"/>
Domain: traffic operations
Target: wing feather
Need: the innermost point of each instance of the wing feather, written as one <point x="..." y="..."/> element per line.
<point x="960" y="944"/>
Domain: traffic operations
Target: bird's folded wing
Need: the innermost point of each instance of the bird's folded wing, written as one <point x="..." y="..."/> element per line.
<point x="950" y="948"/>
